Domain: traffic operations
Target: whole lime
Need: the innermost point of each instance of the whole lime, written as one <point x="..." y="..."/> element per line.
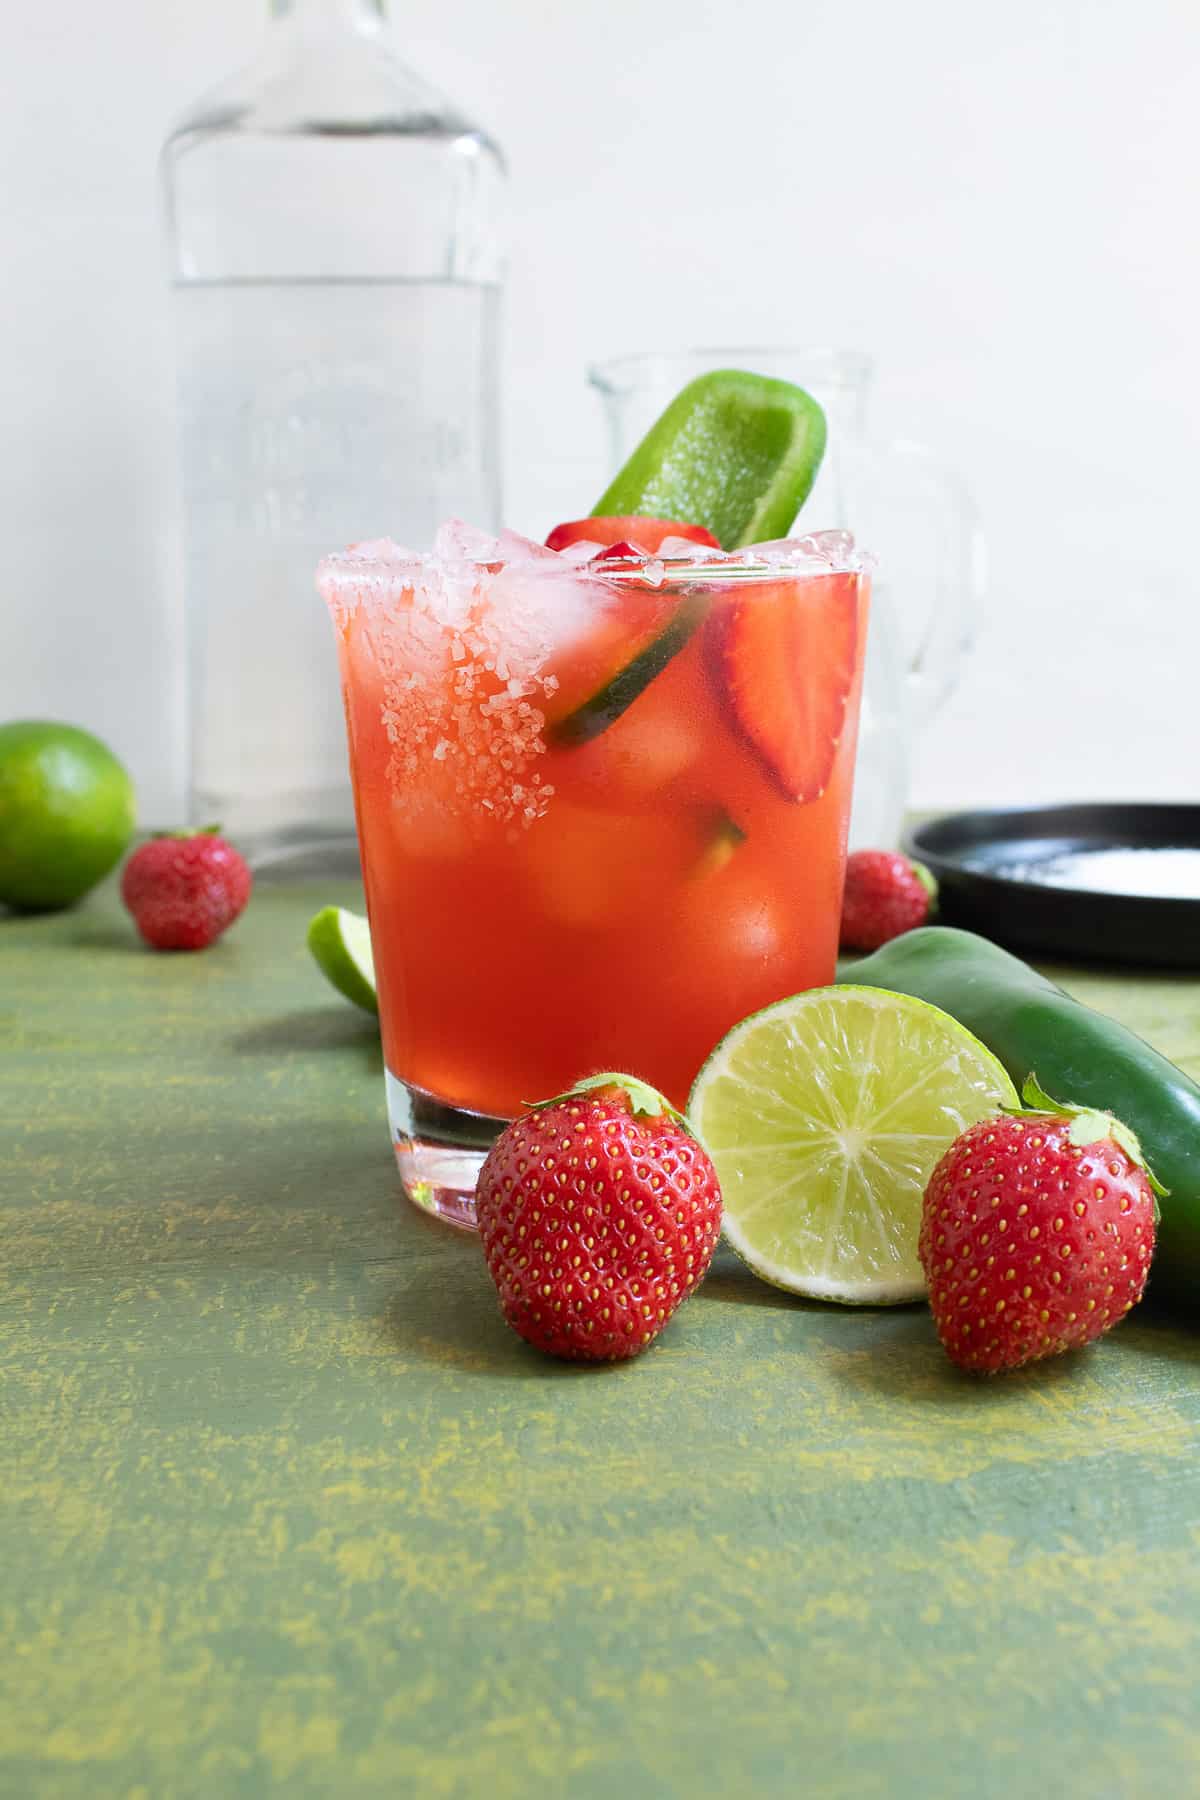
<point x="66" y="813"/>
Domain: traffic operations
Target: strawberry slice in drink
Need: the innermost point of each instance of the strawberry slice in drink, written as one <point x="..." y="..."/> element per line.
<point x="783" y="656"/>
<point x="636" y="533"/>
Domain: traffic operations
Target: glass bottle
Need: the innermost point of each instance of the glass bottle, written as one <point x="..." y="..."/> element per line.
<point x="336" y="266"/>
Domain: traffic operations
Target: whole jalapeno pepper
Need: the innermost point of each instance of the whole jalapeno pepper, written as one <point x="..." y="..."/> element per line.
<point x="1078" y="1055"/>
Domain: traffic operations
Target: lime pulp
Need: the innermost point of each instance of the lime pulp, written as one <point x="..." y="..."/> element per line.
<point x="825" y="1115"/>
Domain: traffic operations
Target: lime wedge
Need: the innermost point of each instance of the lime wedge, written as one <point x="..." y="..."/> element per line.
<point x="341" y="945"/>
<point x="734" y="452"/>
<point x="825" y="1115"/>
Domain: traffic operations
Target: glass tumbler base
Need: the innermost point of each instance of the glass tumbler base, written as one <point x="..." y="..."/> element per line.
<point x="439" y="1150"/>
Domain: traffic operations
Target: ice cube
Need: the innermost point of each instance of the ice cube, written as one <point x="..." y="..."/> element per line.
<point x="457" y="542"/>
<point x="830" y="549"/>
<point x="581" y="551"/>
<point x="511" y="547"/>
<point x="593" y="869"/>
<point x="531" y="612"/>
<point x="381" y="550"/>
<point x="681" y="549"/>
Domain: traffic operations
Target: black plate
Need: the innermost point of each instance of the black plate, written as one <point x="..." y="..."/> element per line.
<point x="982" y="859"/>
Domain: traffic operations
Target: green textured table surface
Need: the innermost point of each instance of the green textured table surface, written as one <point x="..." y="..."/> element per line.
<point x="286" y="1509"/>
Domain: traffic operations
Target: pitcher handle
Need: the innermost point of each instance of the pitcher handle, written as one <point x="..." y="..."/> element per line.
<point x="935" y="652"/>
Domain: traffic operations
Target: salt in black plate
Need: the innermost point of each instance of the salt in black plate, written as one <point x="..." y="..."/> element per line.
<point x="1116" y="883"/>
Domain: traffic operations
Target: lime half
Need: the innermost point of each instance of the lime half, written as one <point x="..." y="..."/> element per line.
<point x="341" y="944"/>
<point x="825" y="1115"/>
<point x="734" y="452"/>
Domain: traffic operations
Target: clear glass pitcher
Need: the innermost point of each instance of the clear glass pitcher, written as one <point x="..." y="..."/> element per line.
<point x="915" y="515"/>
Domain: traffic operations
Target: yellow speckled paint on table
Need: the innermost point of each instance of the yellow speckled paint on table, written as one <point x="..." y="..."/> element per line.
<point x="287" y="1509"/>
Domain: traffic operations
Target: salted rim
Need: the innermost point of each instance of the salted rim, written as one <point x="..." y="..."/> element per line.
<point x="819" y="553"/>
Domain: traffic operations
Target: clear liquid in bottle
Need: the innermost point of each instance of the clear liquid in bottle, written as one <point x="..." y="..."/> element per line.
<point x="336" y="283"/>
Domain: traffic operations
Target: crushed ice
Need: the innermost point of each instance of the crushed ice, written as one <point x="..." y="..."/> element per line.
<point x="461" y="638"/>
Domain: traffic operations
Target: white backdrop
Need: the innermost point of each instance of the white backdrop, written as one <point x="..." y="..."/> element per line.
<point x="998" y="201"/>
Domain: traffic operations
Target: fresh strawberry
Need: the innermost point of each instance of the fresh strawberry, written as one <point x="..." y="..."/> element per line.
<point x="1037" y="1233"/>
<point x="184" y="887"/>
<point x="599" y="1213"/>
<point x="784" y="656"/>
<point x="623" y="551"/>
<point x="885" y="895"/>
<point x="638" y="535"/>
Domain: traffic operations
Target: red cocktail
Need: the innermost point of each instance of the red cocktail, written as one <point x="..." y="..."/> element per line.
<point x="602" y="807"/>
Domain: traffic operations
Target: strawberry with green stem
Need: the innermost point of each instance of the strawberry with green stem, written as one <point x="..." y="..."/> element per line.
<point x="1037" y="1233"/>
<point x="598" y="1213"/>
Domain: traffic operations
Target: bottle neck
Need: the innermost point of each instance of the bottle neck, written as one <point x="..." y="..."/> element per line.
<point x="330" y="15"/>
